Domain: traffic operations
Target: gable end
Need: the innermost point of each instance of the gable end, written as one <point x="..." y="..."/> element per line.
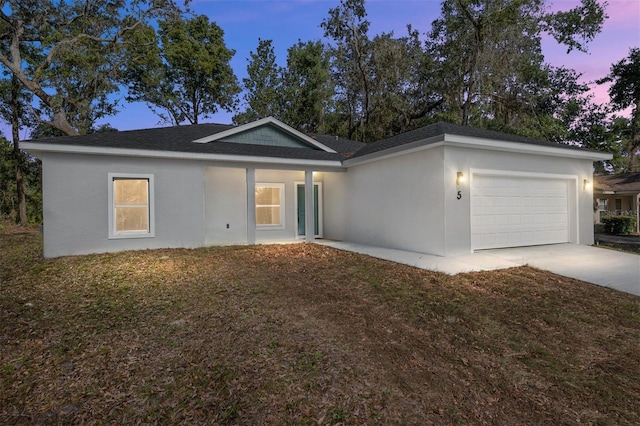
<point x="266" y="135"/>
<point x="279" y="134"/>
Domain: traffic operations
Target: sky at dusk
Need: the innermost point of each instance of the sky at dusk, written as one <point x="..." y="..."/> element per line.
<point x="287" y="21"/>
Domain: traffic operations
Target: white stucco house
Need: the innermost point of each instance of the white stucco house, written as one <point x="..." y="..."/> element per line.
<point x="442" y="189"/>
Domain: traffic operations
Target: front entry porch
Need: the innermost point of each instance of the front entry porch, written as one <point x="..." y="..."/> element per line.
<point x="257" y="205"/>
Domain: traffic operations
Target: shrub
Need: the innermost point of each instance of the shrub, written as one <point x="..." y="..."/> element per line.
<point x="619" y="225"/>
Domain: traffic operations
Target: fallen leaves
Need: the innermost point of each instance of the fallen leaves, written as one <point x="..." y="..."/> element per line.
<point x="305" y="334"/>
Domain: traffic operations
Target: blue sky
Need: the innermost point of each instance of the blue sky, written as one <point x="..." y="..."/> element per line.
<point x="287" y="21"/>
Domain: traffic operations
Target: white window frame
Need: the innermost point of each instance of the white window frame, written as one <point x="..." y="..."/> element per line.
<point x="602" y="204"/>
<point x="113" y="234"/>
<point x="280" y="187"/>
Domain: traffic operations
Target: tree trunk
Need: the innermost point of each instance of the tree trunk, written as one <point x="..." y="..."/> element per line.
<point x="17" y="154"/>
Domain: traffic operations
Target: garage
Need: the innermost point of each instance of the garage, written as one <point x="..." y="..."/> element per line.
<point x="515" y="211"/>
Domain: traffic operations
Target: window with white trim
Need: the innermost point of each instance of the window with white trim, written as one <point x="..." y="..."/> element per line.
<point x="270" y="205"/>
<point x="602" y="204"/>
<point x="130" y="206"/>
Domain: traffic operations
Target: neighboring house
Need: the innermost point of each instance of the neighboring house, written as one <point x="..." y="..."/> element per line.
<point x="441" y="189"/>
<point x="617" y="195"/>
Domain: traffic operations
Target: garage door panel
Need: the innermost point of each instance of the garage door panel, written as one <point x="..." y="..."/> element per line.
<point x="518" y="211"/>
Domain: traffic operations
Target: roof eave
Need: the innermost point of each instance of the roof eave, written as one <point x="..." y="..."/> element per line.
<point x="34" y="148"/>
<point x="618" y="191"/>
<point x="525" y="148"/>
<point x="479" y="143"/>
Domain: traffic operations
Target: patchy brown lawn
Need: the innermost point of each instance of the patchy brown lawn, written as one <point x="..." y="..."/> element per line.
<point x="305" y="334"/>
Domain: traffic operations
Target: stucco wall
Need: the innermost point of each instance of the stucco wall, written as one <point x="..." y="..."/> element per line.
<point x="75" y="199"/>
<point x="336" y="195"/>
<point x="457" y="222"/>
<point x="410" y="201"/>
<point x="290" y="214"/>
<point x="406" y="202"/>
<point x="397" y="202"/>
<point x="225" y="205"/>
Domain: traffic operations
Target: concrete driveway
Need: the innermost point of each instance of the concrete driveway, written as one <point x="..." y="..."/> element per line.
<point x="595" y="265"/>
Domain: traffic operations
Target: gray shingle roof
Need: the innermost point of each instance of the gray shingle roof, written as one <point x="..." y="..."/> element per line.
<point x="442" y="128"/>
<point x="618" y="183"/>
<point x="179" y="139"/>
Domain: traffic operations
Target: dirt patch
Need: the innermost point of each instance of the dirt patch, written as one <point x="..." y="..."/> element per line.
<point x="306" y="334"/>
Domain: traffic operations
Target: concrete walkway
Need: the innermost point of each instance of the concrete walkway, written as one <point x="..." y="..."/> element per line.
<point x="595" y="265"/>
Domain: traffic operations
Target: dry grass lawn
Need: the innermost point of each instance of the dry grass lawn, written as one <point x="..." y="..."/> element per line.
<point x="305" y="334"/>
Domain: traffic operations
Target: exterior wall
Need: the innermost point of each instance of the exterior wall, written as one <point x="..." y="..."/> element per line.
<point x="396" y="202"/>
<point x="289" y="178"/>
<point x="410" y="201"/>
<point x="628" y="203"/>
<point x="407" y="201"/>
<point x="336" y="196"/>
<point x="75" y="200"/>
<point x="225" y="203"/>
<point x="467" y="160"/>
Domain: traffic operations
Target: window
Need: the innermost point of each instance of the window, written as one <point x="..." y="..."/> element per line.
<point x="130" y="206"/>
<point x="269" y="205"/>
<point x="602" y="204"/>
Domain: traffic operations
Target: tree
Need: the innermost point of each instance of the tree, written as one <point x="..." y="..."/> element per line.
<point x="624" y="93"/>
<point x="598" y="130"/>
<point x="402" y="95"/>
<point x="70" y="55"/>
<point x="490" y="59"/>
<point x="190" y="77"/>
<point x="383" y="85"/>
<point x="263" y="85"/>
<point x="307" y="87"/>
<point x="13" y="102"/>
<point x="348" y="28"/>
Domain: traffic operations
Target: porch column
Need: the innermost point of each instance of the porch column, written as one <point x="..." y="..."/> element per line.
<point x="309" y="208"/>
<point x="251" y="206"/>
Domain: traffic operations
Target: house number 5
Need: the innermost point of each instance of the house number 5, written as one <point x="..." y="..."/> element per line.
<point x="459" y="196"/>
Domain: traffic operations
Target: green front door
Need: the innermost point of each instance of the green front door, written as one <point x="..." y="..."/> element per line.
<point x="301" y="209"/>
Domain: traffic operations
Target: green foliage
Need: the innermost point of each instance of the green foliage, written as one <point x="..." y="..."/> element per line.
<point x="264" y="96"/>
<point x="625" y="76"/>
<point x="619" y="225"/>
<point x="482" y="65"/>
<point x="576" y="27"/>
<point x="625" y="92"/>
<point x="350" y="58"/>
<point x="70" y="55"/>
<point x="32" y="172"/>
<point x="187" y="76"/>
<point x="307" y="87"/>
<point x="599" y="131"/>
<point x="383" y="85"/>
<point x="493" y="73"/>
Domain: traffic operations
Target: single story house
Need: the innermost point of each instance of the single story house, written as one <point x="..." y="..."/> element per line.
<point x="441" y="189"/>
<point x="617" y="195"/>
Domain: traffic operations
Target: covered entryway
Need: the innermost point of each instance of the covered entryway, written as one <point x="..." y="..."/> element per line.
<point x="515" y="211"/>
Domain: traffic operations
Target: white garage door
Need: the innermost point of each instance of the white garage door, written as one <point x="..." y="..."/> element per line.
<point x="518" y="211"/>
